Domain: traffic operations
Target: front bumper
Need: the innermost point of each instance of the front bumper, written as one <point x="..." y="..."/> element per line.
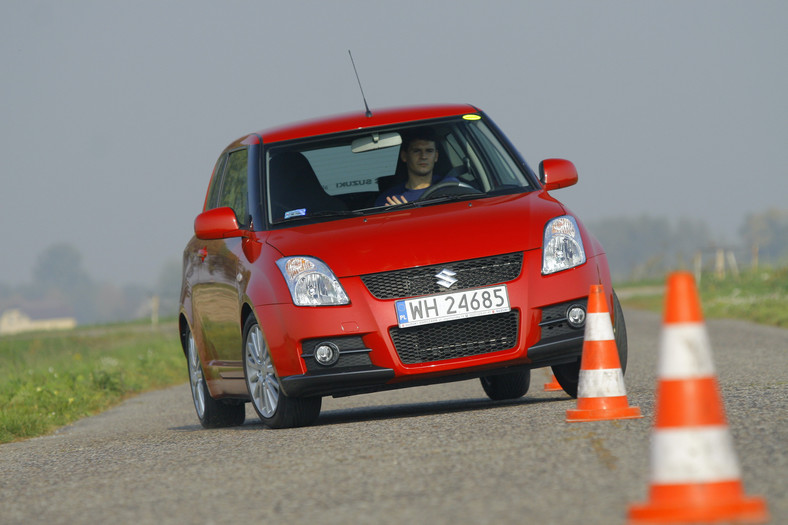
<point x="354" y="373"/>
<point x="377" y="355"/>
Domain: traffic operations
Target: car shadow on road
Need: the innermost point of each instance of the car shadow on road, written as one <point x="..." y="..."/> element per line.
<point x="404" y="410"/>
<point x="428" y="408"/>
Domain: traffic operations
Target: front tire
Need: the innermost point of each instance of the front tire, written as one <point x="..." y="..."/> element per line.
<point x="212" y="413"/>
<point x="567" y="374"/>
<point x="274" y="408"/>
<point x="511" y="385"/>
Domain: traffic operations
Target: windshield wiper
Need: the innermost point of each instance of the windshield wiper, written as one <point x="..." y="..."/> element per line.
<point x="458" y="197"/>
<point x="400" y="206"/>
<point x="509" y="189"/>
<point x="431" y="200"/>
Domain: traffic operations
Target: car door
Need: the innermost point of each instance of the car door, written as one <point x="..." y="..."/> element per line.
<point x="216" y="299"/>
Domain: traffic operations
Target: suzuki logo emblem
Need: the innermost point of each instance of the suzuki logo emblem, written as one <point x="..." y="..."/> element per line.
<point x="446" y="278"/>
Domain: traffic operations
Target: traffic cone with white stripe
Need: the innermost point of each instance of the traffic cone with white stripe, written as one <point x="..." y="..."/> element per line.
<point x="553" y="385"/>
<point x="601" y="393"/>
<point x="695" y="476"/>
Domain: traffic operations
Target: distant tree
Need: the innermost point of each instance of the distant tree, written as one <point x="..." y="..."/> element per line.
<point x="60" y="266"/>
<point x="59" y="278"/>
<point x="124" y="303"/>
<point x="58" y="271"/>
<point x="767" y="234"/>
<point x="647" y="247"/>
<point x="168" y="287"/>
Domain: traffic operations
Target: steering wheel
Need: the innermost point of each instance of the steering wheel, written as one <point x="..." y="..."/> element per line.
<point x="449" y="187"/>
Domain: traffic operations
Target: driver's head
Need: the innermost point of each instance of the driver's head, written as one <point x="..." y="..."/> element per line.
<point x="419" y="152"/>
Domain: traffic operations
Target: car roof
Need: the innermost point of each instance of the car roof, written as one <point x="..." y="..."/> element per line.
<point x="359" y="120"/>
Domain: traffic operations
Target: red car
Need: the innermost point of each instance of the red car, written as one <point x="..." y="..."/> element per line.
<point x="367" y="252"/>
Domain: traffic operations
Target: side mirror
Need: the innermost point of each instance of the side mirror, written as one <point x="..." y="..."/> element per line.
<point x="557" y="173"/>
<point x="218" y="223"/>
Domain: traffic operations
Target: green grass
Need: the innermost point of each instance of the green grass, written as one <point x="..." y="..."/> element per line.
<point x="760" y="296"/>
<point x="51" y="379"/>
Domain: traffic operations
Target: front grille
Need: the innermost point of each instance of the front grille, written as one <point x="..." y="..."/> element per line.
<point x="470" y="273"/>
<point x="453" y="339"/>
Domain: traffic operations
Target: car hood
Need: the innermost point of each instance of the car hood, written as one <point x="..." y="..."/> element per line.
<point x="423" y="236"/>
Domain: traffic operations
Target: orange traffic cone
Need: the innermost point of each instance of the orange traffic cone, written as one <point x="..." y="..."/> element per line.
<point x="553" y="385"/>
<point x="601" y="393"/>
<point x="694" y="472"/>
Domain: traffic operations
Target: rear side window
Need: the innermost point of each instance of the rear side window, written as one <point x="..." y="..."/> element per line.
<point x="230" y="187"/>
<point x="216" y="184"/>
<point x="234" y="188"/>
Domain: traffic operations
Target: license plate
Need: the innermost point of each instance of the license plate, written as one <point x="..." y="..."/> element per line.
<point x="451" y="306"/>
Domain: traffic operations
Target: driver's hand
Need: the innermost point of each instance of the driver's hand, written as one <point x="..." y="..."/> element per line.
<point x="391" y="201"/>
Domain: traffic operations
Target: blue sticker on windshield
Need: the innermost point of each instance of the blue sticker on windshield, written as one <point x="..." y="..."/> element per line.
<point x="295" y="213"/>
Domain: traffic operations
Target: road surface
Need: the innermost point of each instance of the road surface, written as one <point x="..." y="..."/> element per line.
<point x="437" y="455"/>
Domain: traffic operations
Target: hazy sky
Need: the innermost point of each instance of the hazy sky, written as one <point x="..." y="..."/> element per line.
<point x="112" y="113"/>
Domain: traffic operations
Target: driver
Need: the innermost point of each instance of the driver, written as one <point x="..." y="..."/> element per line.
<point x="419" y="153"/>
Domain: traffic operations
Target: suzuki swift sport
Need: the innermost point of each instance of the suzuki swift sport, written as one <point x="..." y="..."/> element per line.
<point x="382" y="250"/>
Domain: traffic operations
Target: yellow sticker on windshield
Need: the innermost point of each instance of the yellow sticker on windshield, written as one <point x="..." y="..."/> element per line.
<point x="472" y="116"/>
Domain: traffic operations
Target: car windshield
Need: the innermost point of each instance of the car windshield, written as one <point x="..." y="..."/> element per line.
<point x="351" y="173"/>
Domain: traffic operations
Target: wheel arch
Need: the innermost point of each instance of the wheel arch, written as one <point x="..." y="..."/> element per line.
<point x="246" y="311"/>
<point x="183" y="332"/>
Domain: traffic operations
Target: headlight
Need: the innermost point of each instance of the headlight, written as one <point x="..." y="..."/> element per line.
<point x="563" y="247"/>
<point x="311" y="282"/>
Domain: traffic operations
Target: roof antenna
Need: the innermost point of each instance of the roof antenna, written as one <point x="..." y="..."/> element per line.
<point x="369" y="113"/>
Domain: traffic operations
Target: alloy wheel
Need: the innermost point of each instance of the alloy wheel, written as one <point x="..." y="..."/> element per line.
<point x="196" y="378"/>
<point x="260" y="374"/>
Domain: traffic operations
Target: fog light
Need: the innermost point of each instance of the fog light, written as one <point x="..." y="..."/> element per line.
<point x="326" y="354"/>
<point x="576" y="316"/>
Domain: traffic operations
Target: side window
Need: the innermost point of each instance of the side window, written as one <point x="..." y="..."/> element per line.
<point x="234" y="186"/>
<point x="503" y="166"/>
<point x="212" y="200"/>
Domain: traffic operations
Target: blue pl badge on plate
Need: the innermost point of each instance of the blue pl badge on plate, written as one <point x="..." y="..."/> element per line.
<point x="402" y="312"/>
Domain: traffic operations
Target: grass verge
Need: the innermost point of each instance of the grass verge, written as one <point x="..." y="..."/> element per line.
<point x="760" y="296"/>
<point x="51" y="379"/>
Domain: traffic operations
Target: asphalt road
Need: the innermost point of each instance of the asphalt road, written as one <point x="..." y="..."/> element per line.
<point x="441" y="454"/>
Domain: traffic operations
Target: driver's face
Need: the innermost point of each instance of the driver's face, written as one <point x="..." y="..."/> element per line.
<point x="420" y="157"/>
